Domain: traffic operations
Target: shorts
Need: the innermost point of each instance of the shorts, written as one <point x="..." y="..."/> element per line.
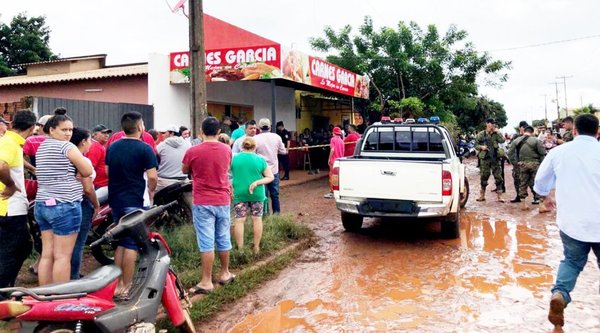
<point x="212" y="225"/>
<point x="241" y="208"/>
<point x="117" y="214"/>
<point x="63" y="219"/>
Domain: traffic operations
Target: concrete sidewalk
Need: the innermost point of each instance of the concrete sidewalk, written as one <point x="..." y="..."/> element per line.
<point x="298" y="177"/>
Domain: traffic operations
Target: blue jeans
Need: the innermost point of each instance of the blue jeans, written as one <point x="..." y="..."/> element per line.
<point x="63" y="218"/>
<point x="212" y="224"/>
<point x="576" y="254"/>
<point x="117" y="214"/>
<point x="87" y="210"/>
<point x="272" y="190"/>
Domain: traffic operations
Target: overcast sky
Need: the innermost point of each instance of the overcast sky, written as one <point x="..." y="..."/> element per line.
<point x="128" y="30"/>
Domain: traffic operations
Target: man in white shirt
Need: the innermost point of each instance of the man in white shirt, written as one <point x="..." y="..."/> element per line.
<point x="573" y="169"/>
<point x="269" y="145"/>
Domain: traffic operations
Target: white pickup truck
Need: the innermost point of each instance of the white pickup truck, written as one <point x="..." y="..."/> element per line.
<point x="402" y="170"/>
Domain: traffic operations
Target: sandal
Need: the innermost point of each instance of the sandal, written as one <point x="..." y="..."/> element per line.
<point x="228" y="281"/>
<point x="197" y="290"/>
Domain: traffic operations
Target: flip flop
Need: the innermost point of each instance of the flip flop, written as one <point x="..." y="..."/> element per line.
<point x="197" y="290"/>
<point x="228" y="281"/>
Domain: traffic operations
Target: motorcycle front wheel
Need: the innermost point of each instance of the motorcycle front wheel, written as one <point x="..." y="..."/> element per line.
<point x="188" y="324"/>
<point x="105" y="252"/>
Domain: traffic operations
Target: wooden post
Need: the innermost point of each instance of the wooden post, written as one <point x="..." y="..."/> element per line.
<point x="197" y="67"/>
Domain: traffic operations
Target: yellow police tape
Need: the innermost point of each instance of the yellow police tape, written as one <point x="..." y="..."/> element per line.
<point x="307" y="147"/>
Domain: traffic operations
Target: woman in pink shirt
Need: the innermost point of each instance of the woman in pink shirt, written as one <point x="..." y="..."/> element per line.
<point x="336" y="151"/>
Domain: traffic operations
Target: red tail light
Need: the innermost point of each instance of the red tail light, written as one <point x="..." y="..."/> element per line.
<point x="446" y="183"/>
<point x="335" y="178"/>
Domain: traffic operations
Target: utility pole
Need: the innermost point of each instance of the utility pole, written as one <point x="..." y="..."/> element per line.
<point x="564" y="78"/>
<point x="557" y="106"/>
<point x="545" y="109"/>
<point x="197" y="67"/>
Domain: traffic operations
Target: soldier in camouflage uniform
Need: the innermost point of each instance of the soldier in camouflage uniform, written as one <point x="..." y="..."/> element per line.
<point x="568" y="135"/>
<point x="487" y="144"/>
<point x="513" y="161"/>
<point x="528" y="152"/>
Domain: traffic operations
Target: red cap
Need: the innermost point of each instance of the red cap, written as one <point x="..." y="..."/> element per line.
<point x="337" y="131"/>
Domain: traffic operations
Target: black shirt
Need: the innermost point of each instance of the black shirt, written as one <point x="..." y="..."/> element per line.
<point x="285" y="136"/>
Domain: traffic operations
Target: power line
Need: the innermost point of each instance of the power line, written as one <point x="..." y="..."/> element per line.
<point x="545" y="43"/>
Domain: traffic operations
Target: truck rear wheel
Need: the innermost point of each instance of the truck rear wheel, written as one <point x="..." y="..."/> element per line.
<point x="464" y="196"/>
<point x="450" y="226"/>
<point x="352" y="222"/>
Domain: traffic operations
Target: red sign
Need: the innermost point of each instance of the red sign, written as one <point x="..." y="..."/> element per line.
<point x="331" y="77"/>
<point x="247" y="63"/>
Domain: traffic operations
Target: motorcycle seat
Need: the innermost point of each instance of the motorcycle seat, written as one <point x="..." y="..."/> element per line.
<point x="102" y="195"/>
<point x="92" y="282"/>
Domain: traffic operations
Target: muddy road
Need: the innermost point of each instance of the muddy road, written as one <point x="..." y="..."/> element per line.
<point x="401" y="276"/>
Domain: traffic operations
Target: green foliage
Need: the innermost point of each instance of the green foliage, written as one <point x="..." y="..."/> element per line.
<point x="471" y="114"/>
<point x="24" y="40"/>
<point x="438" y="69"/>
<point x="586" y="109"/>
<point x="537" y="123"/>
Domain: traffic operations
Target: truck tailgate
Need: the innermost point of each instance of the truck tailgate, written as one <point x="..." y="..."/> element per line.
<point x="373" y="179"/>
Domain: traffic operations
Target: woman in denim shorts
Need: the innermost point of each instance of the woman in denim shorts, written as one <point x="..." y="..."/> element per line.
<point x="58" y="200"/>
<point x="250" y="173"/>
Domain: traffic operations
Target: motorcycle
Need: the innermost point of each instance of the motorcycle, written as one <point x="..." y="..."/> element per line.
<point x="87" y="305"/>
<point x="180" y="191"/>
<point x="100" y="223"/>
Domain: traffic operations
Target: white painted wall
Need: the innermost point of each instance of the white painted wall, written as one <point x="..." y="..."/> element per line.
<point x="172" y="101"/>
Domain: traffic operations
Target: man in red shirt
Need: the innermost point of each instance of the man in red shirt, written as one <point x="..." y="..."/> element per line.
<point x="208" y="163"/>
<point x="97" y="154"/>
<point x="351" y="140"/>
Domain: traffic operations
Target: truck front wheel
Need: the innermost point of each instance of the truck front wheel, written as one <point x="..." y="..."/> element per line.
<point x="352" y="222"/>
<point x="450" y="226"/>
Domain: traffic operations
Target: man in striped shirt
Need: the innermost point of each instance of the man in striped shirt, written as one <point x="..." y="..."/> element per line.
<point x="14" y="235"/>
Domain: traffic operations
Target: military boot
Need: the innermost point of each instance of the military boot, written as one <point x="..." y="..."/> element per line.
<point x="500" y="196"/>
<point x="481" y="195"/>
<point x="524" y="205"/>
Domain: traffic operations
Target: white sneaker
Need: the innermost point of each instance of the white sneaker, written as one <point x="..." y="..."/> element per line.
<point x="328" y="195"/>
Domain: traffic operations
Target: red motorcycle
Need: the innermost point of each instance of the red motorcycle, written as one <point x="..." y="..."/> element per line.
<point x="87" y="305"/>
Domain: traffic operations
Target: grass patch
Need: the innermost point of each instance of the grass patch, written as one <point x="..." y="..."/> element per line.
<point x="278" y="232"/>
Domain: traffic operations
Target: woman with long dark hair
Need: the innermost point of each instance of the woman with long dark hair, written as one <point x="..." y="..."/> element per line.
<point x="58" y="200"/>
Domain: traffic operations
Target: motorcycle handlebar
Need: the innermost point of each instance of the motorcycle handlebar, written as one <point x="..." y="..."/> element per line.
<point x="147" y="215"/>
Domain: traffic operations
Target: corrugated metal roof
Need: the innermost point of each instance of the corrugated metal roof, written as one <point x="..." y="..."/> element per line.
<point x="94" y="56"/>
<point x="75" y="76"/>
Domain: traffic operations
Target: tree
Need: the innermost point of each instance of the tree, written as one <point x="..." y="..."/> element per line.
<point x="586" y="109"/>
<point x="472" y="114"/>
<point x="25" y="40"/>
<point x="409" y="62"/>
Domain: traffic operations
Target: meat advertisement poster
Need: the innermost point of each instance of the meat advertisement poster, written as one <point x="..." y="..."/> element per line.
<point x="271" y="62"/>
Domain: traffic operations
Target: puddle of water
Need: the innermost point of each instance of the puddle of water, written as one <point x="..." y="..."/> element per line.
<point x="492" y="278"/>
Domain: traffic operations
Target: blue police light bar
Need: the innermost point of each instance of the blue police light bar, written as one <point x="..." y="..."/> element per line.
<point x="435" y="119"/>
<point x="422" y="120"/>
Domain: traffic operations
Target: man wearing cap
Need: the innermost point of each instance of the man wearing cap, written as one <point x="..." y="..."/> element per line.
<point x="97" y="154"/>
<point x="33" y="142"/>
<point x="3" y="126"/>
<point x="568" y="135"/>
<point x="268" y="145"/>
<point x="170" y="154"/>
<point x="336" y="150"/>
<point x="527" y="152"/>
<point x="487" y="143"/>
<point x="513" y="160"/>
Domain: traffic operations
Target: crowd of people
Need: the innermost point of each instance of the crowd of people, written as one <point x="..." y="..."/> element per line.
<point x="239" y="167"/>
